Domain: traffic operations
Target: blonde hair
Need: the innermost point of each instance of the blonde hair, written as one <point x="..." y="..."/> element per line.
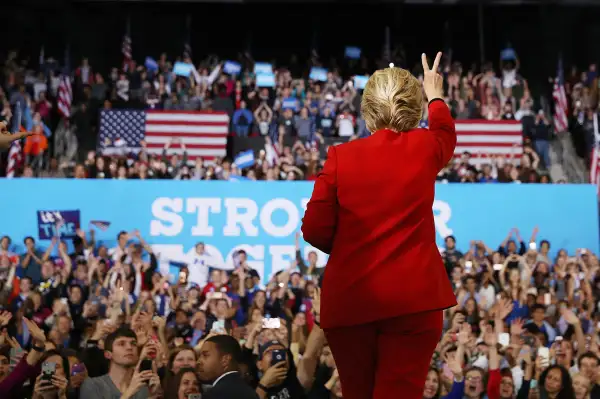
<point x="392" y="99"/>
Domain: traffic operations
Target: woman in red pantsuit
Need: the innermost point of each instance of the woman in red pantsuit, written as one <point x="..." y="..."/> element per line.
<point x="385" y="285"/>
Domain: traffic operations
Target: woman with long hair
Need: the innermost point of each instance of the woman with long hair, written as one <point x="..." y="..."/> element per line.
<point x="374" y="219"/>
<point x="555" y="383"/>
<point x="182" y="357"/>
<point x="433" y="388"/>
<point x="185" y="383"/>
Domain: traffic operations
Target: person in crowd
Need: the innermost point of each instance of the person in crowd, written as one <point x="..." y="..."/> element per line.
<point x="125" y="378"/>
<point x="219" y="364"/>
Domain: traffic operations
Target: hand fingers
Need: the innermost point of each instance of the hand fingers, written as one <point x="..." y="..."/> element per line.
<point x="424" y="62"/>
<point x="436" y="62"/>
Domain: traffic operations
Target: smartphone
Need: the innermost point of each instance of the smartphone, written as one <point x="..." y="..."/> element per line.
<point x="146" y="365"/>
<point x="77" y="368"/>
<point x="498" y="267"/>
<point x="547" y="299"/>
<point x="504" y="339"/>
<point x="182" y="277"/>
<point x="544" y="353"/>
<point x="194" y="396"/>
<point x="218" y="327"/>
<point x="277" y="355"/>
<point x="15" y="357"/>
<point x="271" y="323"/>
<point x="468" y="264"/>
<point x="532" y="246"/>
<point x="48" y="370"/>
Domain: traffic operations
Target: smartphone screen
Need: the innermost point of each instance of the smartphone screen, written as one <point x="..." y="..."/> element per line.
<point x="547" y="299"/>
<point x="271" y="323"/>
<point x="48" y="370"/>
<point x="146" y="365"/>
<point x="504" y="339"/>
<point x="532" y="246"/>
<point x="277" y="356"/>
<point x="218" y="327"/>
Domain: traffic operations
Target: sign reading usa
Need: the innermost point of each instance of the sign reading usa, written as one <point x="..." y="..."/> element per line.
<point x="263" y="217"/>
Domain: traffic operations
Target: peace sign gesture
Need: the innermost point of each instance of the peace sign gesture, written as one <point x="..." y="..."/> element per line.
<point x="433" y="83"/>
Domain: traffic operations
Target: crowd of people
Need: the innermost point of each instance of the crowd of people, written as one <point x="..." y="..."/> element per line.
<point x="81" y="320"/>
<point x="296" y="116"/>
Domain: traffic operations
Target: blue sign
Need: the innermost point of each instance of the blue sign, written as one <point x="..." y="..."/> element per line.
<point x="318" y="73"/>
<point x="182" y="69"/>
<point x="151" y="64"/>
<point x="508" y="54"/>
<point x="262" y="218"/>
<point x="360" y="81"/>
<point x="62" y="224"/>
<point x="263" y="68"/>
<point x="265" y="80"/>
<point x="352" y="53"/>
<point x="232" y="68"/>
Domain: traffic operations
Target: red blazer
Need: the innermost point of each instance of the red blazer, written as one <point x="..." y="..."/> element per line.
<point x="371" y="210"/>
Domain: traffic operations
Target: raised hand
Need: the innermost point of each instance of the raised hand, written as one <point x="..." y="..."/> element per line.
<point x="5" y="318"/>
<point x="36" y="333"/>
<point x="569" y="316"/>
<point x="453" y="364"/>
<point x="433" y="83"/>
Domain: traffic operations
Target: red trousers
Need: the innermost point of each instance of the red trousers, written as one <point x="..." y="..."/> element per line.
<point x="387" y="358"/>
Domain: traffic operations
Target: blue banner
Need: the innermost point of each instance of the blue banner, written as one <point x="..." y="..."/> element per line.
<point x="318" y="73"/>
<point x="263" y="217"/>
<point x="232" y="68"/>
<point x="265" y="80"/>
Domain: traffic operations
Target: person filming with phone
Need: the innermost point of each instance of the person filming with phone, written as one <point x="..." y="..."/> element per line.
<point x="128" y="377"/>
<point x="278" y="377"/>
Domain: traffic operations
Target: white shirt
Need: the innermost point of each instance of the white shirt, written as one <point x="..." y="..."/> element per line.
<point x="346" y="127"/>
<point x="198" y="266"/>
<point x="222" y="375"/>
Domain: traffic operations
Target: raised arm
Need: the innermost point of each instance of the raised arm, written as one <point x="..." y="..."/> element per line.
<point x="441" y="124"/>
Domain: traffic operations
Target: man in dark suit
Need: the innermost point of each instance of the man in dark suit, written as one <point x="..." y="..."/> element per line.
<point x="219" y="363"/>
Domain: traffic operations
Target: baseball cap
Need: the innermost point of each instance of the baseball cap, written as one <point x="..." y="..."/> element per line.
<point x="266" y="346"/>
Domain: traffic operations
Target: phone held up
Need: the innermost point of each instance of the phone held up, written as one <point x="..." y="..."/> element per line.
<point x="48" y="370"/>
<point x="271" y="323"/>
<point x="277" y="356"/>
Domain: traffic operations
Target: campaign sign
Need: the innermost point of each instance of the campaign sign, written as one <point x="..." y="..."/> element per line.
<point x="263" y="218"/>
<point x="62" y="224"/>
<point x="318" y="73"/>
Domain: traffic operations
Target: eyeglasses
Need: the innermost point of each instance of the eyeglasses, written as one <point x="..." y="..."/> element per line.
<point x="474" y="379"/>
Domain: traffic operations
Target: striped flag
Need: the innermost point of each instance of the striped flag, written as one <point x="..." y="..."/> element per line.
<point x="244" y="159"/>
<point x="126" y="47"/>
<point x="65" y="96"/>
<point x="101" y="224"/>
<point x="484" y="139"/>
<point x="15" y="157"/>
<point x="204" y="134"/>
<point x="561" y="107"/>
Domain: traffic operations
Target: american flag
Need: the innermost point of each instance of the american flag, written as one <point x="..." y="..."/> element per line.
<point x="561" y="107"/>
<point x="101" y="224"/>
<point x="15" y="157"/>
<point x="126" y="47"/>
<point x="204" y="134"/>
<point x="484" y="139"/>
<point x="65" y="96"/>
